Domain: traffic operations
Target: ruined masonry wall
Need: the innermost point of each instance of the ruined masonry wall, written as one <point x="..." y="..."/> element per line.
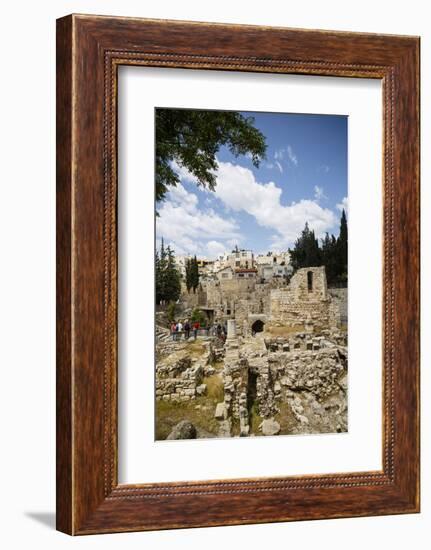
<point x="299" y="305"/>
<point x="178" y="383"/>
<point x="339" y="297"/>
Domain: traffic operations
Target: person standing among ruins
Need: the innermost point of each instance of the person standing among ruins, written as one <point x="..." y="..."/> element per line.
<point x="196" y="327"/>
<point x="187" y="329"/>
<point x="173" y="330"/>
<point x="179" y="329"/>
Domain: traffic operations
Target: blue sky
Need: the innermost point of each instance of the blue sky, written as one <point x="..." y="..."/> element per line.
<point x="303" y="178"/>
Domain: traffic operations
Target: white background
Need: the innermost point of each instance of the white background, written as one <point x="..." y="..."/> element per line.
<point x="141" y="458"/>
<point x="27" y="123"/>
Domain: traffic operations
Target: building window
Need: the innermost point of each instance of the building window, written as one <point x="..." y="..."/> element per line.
<point x="310" y="281"/>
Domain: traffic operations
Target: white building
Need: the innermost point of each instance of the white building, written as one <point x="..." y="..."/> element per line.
<point x="273" y="258"/>
<point x="270" y="271"/>
<point x="245" y="273"/>
<point x="241" y="259"/>
<point x="273" y="264"/>
<point x="226" y="273"/>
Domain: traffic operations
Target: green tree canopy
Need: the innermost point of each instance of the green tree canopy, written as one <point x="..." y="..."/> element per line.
<point x="189" y="275"/>
<point x="195" y="274"/>
<point x="342" y="246"/>
<point x="332" y="253"/>
<point x="329" y="257"/>
<point x="192" y="138"/>
<point x="168" y="279"/>
<point x="306" y="252"/>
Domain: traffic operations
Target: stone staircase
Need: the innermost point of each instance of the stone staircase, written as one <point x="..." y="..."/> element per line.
<point x="162" y="334"/>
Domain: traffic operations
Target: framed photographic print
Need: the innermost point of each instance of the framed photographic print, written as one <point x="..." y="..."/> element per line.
<point x="237" y="274"/>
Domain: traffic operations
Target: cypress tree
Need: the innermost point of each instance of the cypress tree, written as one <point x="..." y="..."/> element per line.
<point x="188" y="274"/>
<point x="329" y="257"/>
<point x="168" y="278"/>
<point x="306" y="252"/>
<point x="161" y="263"/>
<point x="342" y="249"/>
<point x="158" y="279"/>
<point x="194" y="274"/>
<point x="172" y="279"/>
<point x="333" y="253"/>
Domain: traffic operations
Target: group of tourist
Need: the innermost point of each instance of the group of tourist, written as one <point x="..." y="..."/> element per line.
<point x="178" y="329"/>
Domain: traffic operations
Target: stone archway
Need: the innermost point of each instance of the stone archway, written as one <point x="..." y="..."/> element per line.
<point x="257" y="326"/>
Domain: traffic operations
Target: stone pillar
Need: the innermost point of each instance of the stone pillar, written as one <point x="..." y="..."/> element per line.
<point x="231" y="328"/>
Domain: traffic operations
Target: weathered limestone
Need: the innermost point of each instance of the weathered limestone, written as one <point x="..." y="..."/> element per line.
<point x="339" y="297"/>
<point x="270" y="427"/>
<point x="183" y="430"/>
<point x="231" y="328"/>
<point x="221" y="411"/>
<point x="201" y="389"/>
<point x="305" y="303"/>
<point x="177" y="377"/>
<point x="284" y="358"/>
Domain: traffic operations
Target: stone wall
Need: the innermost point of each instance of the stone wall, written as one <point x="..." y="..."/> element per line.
<point x="339" y="297"/>
<point x="192" y="300"/>
<point x="177" y="379"/>
<point x="235" y="376"/>
<point x="240" y="300"/>
<point x="319" y="372"/>
<point x="305" y="302"/>
<point x="178" y="375"/>
<point x="309" y="374"/>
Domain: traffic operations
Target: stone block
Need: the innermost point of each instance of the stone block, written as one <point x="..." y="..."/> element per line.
<point x="221" y="411"/>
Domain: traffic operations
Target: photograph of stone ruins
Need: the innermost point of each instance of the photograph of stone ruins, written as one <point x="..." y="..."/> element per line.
<point x="250" y="274"/>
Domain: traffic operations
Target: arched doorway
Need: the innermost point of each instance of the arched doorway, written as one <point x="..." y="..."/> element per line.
<point x="257" y="326"/>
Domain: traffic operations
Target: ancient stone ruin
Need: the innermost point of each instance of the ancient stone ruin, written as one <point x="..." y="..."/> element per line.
<point x="282" y="368"/>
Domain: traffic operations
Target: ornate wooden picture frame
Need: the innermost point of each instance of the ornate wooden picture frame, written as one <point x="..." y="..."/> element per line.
<point x="89" y="51"/>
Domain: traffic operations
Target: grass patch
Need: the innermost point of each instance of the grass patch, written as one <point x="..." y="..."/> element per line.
<point x="218" y="365"/>
<point x="169" y="413"/>
<point x="255" y="419"/>
<point x="215" y="388"/>
<point x="195" y="349"/>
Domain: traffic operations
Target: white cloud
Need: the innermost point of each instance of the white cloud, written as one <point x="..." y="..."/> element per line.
<point x="190" y="230"/>
<point x="292" y="157"/>
<point x="215" y="249"/>
<point x="273" y="165"/>
<point x="344" y="204"/>
<point x="238" y="189"/>
<point x="183" y="173"/>
<point x="318" y="193"/>
<point x="280" y="154"/>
